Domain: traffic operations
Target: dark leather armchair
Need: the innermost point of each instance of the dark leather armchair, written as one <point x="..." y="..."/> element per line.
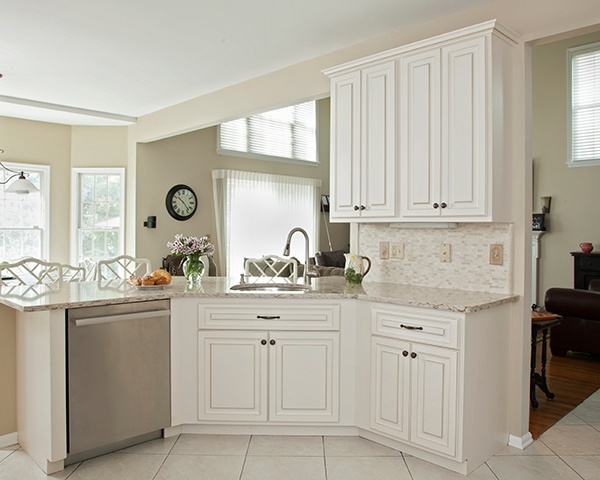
<point x="579" y="330"/>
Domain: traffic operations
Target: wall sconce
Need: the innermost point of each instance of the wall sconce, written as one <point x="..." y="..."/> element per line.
<point x="21" y="185"/>
<point x="151" y="222"/>
<point x="546" y="204"/>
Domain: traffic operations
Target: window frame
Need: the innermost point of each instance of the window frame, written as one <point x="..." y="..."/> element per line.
<point x="274" y="158"/>
<point x="44" y="171"/>
<point x="76" y="204"/>
<point x="571" y="54"/>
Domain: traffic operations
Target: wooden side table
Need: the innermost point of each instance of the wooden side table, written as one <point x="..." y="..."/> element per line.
<point x="540" y="322"/>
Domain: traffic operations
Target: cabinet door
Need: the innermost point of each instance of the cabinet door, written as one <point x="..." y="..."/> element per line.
<point x="390" y="380"/>
<point x="345" y="146"/>
<point x="304" y="377"/>
<point x="434" y="378"/>
<point x="420" y="133"/>
<point x="378" y="159"/>
<point x="464" y="127"/>
<point x="233" y="371"/>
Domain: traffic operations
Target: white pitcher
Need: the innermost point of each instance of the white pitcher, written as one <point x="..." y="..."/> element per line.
<point x="355" y="270"/>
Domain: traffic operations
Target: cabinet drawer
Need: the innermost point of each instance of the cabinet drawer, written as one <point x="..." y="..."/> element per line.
<point x="416" y="325"/>
<point x="269" y="317"/>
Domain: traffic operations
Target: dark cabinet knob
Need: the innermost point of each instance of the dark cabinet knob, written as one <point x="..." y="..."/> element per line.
<point x="263" y="342"/>
<point x="405" y="353"/>
<point x="272" y="342"/>
<point x="413" y="355"/>
<point x="436" y="205"/>
<point x="362" y="207"/>
<point x="356" y="207"/>
<point x="443" y="205"/>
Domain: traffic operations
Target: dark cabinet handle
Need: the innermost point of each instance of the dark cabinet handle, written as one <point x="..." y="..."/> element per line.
<point x="410" y="327"/>
<point x="356" y="207"/>
<point x="362" y="207"/>
<point x="263" y="342"/>
<point x="436" y="205"/>
<point x="405" y="353"/>
<point x="267" y="317"/>
<point x="443" y="205"/>
<point x="272" y="342"/>
<point x="413" y="355"/>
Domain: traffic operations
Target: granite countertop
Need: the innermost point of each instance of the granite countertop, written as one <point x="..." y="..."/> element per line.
<point x="85" y="294"/>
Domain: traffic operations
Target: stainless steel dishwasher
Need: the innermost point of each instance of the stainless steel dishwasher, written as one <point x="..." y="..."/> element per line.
<point x="118" y="359"/>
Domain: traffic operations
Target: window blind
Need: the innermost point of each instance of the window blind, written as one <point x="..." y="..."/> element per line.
<point x="288" y="132"/>
<point x="585" y="105"/>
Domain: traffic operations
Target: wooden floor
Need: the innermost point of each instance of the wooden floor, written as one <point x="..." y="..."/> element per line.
<point x="572" y="379"/>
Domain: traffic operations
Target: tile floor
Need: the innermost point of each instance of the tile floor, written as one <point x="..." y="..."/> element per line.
<point x="568" y="450"/>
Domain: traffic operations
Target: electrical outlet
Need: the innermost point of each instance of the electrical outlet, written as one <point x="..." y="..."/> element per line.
<point x="496" y="254"/>
<point x="384" y="250"/>
<point x="445" y="253"/>
<point x="397" y="250"/>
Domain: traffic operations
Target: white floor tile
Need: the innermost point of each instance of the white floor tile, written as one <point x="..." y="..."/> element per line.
<point x="284" y="468"/>
<point x="119" y="466"/>
<point x="19" y="466"/>
<point x="588" y="466"/>
<point x="356" y="447"/>
<point x="366" y="468"/>
<point x="533" y="467"/>
<point x="422" y="470"/>
<point x="572" y="440"/>
<point x="5" y="453"/>
<point x="211" y="445"/>
<point x="536" y="448"/>
<point x="588" y="411"/>
<point x="286" y="446"/>
<point x="570" y="419"/>
<point x="160" y="446"/>
<point x="193" y="467"/>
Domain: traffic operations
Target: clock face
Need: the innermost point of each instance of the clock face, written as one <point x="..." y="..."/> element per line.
<point x="181" y="202"/>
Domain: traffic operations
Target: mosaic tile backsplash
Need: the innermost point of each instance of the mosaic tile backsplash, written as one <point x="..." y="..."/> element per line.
<point x="469" y="268"/>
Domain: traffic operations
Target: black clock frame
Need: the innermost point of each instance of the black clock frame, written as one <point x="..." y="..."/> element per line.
<point x="169" y="202"/>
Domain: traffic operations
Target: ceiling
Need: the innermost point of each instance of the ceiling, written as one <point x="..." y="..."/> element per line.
<point x="108" y="62"/>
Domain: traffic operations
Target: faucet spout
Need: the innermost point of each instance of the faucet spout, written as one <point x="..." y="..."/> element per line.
<point x="286" y="251"/>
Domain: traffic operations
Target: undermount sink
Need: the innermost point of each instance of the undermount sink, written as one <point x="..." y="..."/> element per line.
<point x="272" y="287"/>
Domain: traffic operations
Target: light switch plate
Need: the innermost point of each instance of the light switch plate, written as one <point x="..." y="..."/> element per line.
<point x="445" y="253"/>
<point x="496" y="254"/>
<point x="384" y="250"/>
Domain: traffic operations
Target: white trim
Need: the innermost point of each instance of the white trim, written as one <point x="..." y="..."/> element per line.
<point x="75" y="201"/>
<point x="8" y="440"/>
<point x="520" y="442"/>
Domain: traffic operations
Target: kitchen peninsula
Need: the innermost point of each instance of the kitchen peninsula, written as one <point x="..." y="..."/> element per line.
<point x="419" y="369"/>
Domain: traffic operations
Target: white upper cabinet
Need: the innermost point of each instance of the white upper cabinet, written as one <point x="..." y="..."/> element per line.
<point x="363" y="174"/>
<point x="448" y="100"/>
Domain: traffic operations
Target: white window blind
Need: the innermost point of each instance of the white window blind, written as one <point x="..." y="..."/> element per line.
<point x="288" y="133"/>
<point x="585" y="105"/>
<point x="255" y="212"/>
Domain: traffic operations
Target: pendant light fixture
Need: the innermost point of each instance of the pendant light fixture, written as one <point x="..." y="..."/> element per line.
<point x="21" y="185"/>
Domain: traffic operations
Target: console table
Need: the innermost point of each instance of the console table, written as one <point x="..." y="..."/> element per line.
<point x="587" y="267"/>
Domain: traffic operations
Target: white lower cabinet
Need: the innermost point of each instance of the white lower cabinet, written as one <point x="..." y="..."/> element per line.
<point x="414" y="393"/>
<point x="267" y="375"/>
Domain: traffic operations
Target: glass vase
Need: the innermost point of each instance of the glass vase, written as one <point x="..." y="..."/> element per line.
<point x="193" y="268"/>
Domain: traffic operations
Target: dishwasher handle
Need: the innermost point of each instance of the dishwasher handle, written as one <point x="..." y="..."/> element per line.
<point x="84" y="322"/>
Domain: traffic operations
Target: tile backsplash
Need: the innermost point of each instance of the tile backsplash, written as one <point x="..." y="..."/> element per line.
<point x="469" y="268"/>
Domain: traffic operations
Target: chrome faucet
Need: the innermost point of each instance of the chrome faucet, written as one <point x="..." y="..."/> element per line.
<point x="286" y="251"/>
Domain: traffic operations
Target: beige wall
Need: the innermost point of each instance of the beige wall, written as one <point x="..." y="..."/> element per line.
<point x="8" y="382"/>
<point x="189" y="159"/>
<point x="574" y="191"/>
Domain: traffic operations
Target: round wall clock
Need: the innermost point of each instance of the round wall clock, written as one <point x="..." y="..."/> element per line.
<point x="181" y="202"/>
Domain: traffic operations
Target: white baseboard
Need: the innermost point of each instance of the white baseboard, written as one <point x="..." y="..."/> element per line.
<point x="520" y="442"/>
<point x="8" y="440"/>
